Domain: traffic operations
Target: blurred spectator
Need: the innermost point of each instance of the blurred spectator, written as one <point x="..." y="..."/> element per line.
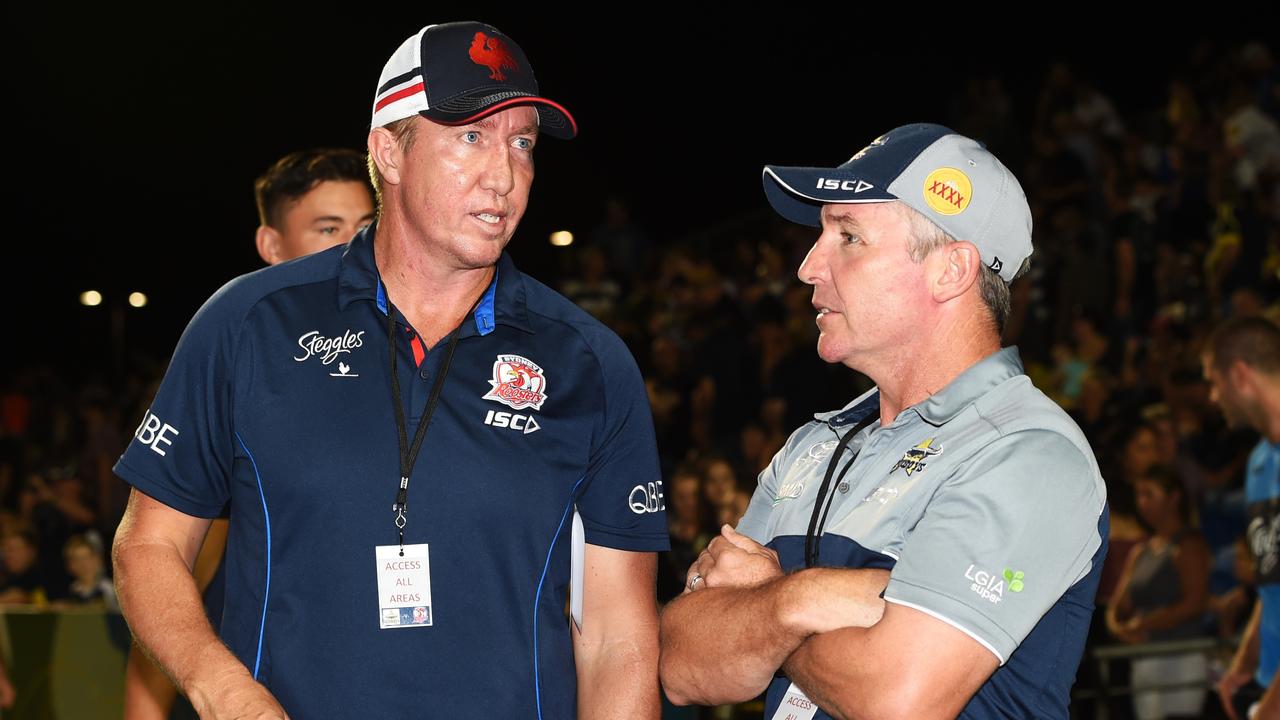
<point x="1127" y="454"/>
<point x="727" y="498"/>
<point x="23" y="582"/>
<point x="1231" y="608"/>
<point x="89" y="584"/>
<point x="1162" y="595"/>
<point x="592" y="288"/>
<point x="626" y="247"/>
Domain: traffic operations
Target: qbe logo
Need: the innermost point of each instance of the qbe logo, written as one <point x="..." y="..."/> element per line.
<point x="154" y="432"/>
<point x="647" y="498"/>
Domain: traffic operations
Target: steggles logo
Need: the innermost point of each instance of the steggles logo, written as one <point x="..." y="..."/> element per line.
<point x="313" y="343"/>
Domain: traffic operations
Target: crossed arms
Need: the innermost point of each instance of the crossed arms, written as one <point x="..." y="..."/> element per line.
<point x="827" y="629"/>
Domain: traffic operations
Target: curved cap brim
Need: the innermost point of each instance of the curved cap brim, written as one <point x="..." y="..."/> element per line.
<point x="798" y="193"/>
<point x="553" y="118"/>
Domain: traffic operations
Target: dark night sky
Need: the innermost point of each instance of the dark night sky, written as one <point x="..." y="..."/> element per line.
<point x="139" y="133"/>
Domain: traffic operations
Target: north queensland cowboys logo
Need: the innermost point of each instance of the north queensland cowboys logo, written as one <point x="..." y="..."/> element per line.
<point x="913" y="460"/>
<point x="518" y="383"/>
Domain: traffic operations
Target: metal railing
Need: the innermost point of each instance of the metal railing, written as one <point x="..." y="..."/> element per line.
<point x="1102" y="657"/>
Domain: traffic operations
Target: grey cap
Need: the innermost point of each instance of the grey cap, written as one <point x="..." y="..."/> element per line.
<point x="947" y="177"/>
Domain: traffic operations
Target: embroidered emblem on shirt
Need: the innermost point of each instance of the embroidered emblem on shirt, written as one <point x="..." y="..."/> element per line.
<point x="913" y="460"/>
<point x="518" y="383"/>
<point x="817" y="453"/>
<point x="882" y="495"/>
<point x="986" y="585"/>
<point x="344" y="370"/>
<point x="1014" y="578"/>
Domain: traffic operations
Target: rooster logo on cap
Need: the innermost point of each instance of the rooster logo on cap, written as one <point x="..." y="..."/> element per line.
<point x="493" y="54"/>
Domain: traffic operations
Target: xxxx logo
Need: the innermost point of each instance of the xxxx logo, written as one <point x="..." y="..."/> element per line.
<point x="947" y="191"/>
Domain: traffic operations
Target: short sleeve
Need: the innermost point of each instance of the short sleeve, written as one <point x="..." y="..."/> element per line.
<point x="755" y="521"/>
<point x="182" y="451"/>
<point x="622" y="501"/>
<point x="1003" y="539"/>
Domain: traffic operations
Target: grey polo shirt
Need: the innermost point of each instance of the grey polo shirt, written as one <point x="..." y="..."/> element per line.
<point x="985" y="501"/>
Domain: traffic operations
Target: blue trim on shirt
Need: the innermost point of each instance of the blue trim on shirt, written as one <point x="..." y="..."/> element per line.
<point x="484" y="310"/>
<point x="537" y="598"/>
<point x="266" y="516"/>
<point x="856" y="413"/>
<point x="484" y="314"/>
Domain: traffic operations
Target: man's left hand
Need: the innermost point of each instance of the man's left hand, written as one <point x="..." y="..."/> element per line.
<point x="733" y="560"/>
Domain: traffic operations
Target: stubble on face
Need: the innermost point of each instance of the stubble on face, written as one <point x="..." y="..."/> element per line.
<point x="465" y="188"/>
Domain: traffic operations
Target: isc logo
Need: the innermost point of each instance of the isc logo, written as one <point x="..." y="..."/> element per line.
<point x="834" y="184"/>
<point x="523" y="423"/>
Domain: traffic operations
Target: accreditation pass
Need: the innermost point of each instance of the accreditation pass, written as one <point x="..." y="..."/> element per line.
<point x="404" y="586"/>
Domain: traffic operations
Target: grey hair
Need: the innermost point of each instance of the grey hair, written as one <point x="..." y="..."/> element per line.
<point x="926" y="237"/>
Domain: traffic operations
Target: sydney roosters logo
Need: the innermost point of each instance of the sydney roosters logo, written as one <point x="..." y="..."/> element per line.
<point x="517" y="383"/>
<point x="493" y="54"/>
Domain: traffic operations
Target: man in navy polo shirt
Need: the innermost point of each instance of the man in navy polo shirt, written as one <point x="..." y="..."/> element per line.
<point x="941" y="536"/>
<point x="409" y="432"/>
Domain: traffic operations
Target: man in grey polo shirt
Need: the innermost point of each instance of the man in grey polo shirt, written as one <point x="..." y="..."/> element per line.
<point x="932" y="549"/>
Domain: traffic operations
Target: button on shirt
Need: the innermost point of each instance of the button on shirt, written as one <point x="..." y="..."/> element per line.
<point x="986" y="503"/>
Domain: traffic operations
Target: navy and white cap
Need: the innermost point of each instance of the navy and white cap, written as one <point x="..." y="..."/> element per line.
<point x="457" y="73"/>
<point x="949" y="178"/>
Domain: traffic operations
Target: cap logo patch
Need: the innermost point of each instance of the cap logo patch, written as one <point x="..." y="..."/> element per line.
<point x="493" y="54"/>
<point x="947" y="191"/>
<point x="855" y="186"/>
<point x="874" y="143"/>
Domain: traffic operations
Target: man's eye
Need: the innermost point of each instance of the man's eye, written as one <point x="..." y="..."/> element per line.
<point x="330" y="230"/>
<point x="524" y="143"/>
<point x="850" y="238"/>
<point x="472" y="137"/>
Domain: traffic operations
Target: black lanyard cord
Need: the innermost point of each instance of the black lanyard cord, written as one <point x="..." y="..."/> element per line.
<point x="822" y="504"/>
<point x="409" y="455"/>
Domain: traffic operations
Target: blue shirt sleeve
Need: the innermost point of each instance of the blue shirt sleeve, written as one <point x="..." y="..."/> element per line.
<point x="622" y="501"/>
<point x="183" y="449"/>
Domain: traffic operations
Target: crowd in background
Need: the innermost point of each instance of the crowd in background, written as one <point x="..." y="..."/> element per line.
<point x="1152" y="226"/>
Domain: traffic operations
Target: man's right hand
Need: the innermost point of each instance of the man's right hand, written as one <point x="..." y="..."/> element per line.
<point x="826" y="599"/>
<point x="238" y="698"/>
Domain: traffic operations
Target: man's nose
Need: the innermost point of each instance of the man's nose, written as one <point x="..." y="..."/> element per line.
<point x="498" y="174"/>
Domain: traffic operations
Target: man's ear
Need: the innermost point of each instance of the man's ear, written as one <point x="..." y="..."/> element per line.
<point x="1241" y="377"/>
<point x="268" y="241"/>
<point x="385" y="151"/>
<point x="953" y="269"/>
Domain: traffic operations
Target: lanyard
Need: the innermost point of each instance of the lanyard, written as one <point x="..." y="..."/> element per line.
<point x="409" y="455"/>
<point x="822" y="504"/>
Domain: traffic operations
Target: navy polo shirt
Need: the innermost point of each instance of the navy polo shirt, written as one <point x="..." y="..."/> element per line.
<point x="278" y="401"/>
